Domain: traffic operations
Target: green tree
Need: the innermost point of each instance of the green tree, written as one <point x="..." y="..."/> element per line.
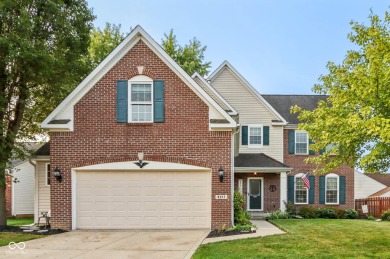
<point x="41" y="48"/>
<point x="190" y="57"/>
<point x="355" y="118"/>
<point x="103" y="42"/>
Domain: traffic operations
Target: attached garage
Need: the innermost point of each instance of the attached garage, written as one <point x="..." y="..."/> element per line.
<point x="162" y="196"/>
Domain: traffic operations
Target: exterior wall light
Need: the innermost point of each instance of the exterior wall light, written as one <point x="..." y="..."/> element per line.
<point x="57" y="174"/>
<point x="221" y="174"/>
<point x="141" y="163"/>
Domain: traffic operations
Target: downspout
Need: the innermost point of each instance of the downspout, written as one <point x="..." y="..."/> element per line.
<point x="36" y="191"/>
<point x="232" y="173"/>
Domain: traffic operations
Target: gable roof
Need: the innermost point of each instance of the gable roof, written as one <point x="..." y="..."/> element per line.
<point x="214" y="94"/>
<point x="258" y="162"/>
<point x="382" y="178"/>
<point x="43" y="150"/>
<point x="64" y="111"/>
<point x="283" y="103"/>
<point x="381" y="192"/>
<point x="251" y="89"/>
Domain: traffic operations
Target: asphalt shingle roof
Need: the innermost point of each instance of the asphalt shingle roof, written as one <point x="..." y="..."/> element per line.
<point x="283" y="103"/>
<point x="257" y="160"/>
<point x="44" y="150"/>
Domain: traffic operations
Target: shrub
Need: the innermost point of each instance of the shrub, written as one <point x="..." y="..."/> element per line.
<point x="327" y="213"/>
<point x="243" y="227"/>
<point x="340" y="213"/>
<point x="350" y="214"/>
<point x="370" y="218"/>
<point x="290" y="208"/>
<point x="241" y="216"/>
<point x="308" y="212"/>
<point x="278" y="214"/>
<point x="386" y="215"/>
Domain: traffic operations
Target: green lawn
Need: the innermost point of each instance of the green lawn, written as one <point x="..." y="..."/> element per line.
<point x="7" y="237"/>
<point x="19" y="222"/>
<point x="310" y="238"/>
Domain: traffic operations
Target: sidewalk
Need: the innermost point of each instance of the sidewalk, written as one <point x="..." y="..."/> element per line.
<point x="264" y="228"/>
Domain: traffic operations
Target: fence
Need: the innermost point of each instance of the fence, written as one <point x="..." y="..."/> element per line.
<point x="376" y="205"/>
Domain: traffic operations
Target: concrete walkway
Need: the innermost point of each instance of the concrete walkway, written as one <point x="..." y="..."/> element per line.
<point x="264" y="228"/>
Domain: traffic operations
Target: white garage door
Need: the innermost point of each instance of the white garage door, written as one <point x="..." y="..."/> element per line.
<point x="143" y="200"/>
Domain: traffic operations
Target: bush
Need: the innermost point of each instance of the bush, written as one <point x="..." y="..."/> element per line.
<point x="241" y="216"/>
<point x="327" y="213"/>
<point x="290" y="208"/>
<point x="350" y="214"/>
<point x="278" y="214"/>
<point x="386" y="215"/>
<point x="370" y="218"/>
<point x="340" y="213"/>
<point x="243" y="227"/>
<point x="308" y="212"/>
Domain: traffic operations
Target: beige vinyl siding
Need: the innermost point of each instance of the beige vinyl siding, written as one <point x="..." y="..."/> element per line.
<point x="365" y="186"/>
<point x="251" y="112"/>
<point x="23" y="189"/>
<point x="43" y="189"/>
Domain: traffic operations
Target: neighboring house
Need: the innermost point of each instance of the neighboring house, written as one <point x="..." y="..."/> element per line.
<point x="366" y="185"/>
<point x="20" y="186"/>
<point x="139" y="105"/>
<point x="383" y="179"/>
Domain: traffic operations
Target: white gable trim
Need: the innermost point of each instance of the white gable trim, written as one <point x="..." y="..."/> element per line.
<point x="65" y="109"/>
<point x="249" y="87"/>
<point x="196" y="75"/>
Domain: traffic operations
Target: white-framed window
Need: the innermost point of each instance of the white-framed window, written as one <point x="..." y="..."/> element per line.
<point x="140" y="99"/>
<point x="255" y="135"/>
<point x="301" y="142"/>
<point x="301" y="193"/>
<point x="47" y="174"/>
<point x="332" y="189"/>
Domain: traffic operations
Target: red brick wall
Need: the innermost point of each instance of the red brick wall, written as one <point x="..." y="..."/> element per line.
<point x="300" y="166"/>
<point x="271" y="199"/>
<point x="97" y="138"/>
<point x="8" y="195"/>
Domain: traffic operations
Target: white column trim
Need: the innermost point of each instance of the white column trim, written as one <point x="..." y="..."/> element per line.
<point x="283" y="190"/>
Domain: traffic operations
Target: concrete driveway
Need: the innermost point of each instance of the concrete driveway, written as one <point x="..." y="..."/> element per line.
<point x="111" y="244"/>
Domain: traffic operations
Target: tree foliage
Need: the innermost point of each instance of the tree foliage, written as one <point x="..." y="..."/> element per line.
<point x="103" y="42"/>
<point x="356" y="116"/>
<point x="190" y="57"/>
<point x="41" y="48"/>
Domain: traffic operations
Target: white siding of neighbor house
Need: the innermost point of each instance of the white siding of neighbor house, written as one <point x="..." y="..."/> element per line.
<point x="23" y="189"/>
<point x="365" y="186"/>
<point x="43" y="189"/>
<point x="387" y="194"/>
<point x="251" y="111"/>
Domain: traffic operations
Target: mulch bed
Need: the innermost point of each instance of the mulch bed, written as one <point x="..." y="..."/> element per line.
<point x="216" y="233"/>
<point x="18" y="229"/>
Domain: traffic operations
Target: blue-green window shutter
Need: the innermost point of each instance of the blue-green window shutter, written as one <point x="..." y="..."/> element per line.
<point x="342" y="189"/>
<point x="322" y="151"/>
<point x="158" y="101"/>
<point x="322" y="189"/>
<point x="266" y="135"/>
<point x="291" y="141"/>
<point x="121" y="100"/>
<point x="311" y="152"/>
<point x="244" y="135"/>
<point x="290" y="188"/>
<point x="312" y="180"/>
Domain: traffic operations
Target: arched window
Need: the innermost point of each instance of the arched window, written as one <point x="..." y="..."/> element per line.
<point x="301" y="194"/>
<point x="140" y="99"/>
<point x="332" y="189"/>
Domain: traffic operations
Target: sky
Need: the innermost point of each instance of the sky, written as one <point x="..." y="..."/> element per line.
<point x="280" y="47"/>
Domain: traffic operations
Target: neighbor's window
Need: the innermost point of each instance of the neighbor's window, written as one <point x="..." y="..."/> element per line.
<point x="301" y="142"/>
<point x="47" y="174"/>
<point x="255" y="135"/>
<point x="301" y="192"/>
<point x="332" y="189"/>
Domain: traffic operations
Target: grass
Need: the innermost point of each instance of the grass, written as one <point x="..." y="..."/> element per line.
<point x="19" y="222"/>
<point x="7" y="237"/>
<point x="310" y="238"/>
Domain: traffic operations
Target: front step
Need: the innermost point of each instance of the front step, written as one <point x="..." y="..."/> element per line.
<point x="258" y="215"/>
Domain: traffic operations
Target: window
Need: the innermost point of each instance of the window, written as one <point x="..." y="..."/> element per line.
<point x="47" y="174"/>
<point x="301" y="192"/>
<point x="255" y="135"/>
<point x="141" y="99"/>
<point x="331" y="189"/>
<point x="301" y="142"/>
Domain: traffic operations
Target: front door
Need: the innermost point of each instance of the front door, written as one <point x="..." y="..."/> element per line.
<point x="255" y="197"/>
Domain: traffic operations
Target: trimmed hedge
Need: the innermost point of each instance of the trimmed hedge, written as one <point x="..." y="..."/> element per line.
<point x="308" y="212"/>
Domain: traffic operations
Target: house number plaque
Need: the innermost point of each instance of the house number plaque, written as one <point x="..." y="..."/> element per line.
<point x="221" y="197"/>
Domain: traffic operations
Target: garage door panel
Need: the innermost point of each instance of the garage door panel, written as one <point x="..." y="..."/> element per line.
<point x="138" y="200"/>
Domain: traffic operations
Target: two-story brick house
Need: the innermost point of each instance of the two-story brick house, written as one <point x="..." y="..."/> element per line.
<point x="141" y="144"/>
